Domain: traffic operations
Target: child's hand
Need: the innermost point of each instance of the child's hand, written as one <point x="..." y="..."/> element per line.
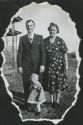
<point x="38" y="88"/>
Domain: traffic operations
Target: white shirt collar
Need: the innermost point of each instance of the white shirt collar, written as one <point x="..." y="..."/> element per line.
<point x="31" y="35"/>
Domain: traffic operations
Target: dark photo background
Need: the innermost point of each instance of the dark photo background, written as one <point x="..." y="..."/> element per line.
<point x="8" y="113"/>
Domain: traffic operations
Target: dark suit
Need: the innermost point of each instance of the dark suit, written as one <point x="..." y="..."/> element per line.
<point x="30" y="57"/>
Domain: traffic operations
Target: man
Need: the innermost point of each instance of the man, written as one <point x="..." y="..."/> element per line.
<point x="31" y="56"/>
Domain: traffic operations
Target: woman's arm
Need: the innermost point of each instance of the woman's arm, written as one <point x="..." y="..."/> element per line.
<point x="66" y="60"/>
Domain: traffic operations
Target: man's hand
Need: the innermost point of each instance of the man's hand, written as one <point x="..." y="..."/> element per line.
<point x="20" y="70"/>
<point x="42" y="69"/>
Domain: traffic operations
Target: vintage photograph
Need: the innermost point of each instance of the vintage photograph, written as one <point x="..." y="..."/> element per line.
<point x="41" y="61"/>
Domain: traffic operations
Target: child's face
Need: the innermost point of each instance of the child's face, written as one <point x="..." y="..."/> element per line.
<point x="34" y="77"/>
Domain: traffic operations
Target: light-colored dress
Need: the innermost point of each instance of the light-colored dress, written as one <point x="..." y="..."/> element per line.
<point x="37" y="95"/>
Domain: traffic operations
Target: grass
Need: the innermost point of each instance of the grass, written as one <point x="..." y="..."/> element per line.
<point x="16" y="87"/>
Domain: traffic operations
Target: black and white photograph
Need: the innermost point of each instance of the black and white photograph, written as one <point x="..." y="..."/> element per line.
<point x="41" y="61"/>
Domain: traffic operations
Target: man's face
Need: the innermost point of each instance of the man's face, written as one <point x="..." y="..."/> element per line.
<point x="30" y="27"/>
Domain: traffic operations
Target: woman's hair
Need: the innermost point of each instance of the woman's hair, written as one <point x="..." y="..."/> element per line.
<point x="55" y="25"/>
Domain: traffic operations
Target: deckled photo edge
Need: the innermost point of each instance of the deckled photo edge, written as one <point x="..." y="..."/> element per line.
<point x="55" y="121"/>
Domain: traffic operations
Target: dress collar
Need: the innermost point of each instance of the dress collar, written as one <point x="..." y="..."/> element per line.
<point x="52" y="40"/>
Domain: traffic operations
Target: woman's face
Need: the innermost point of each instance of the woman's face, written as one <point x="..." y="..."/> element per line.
<point x="52" y="31"/>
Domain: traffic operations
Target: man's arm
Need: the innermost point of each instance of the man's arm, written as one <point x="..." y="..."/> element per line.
<point x="43" y="55"/>
<point x="19" y="57"/>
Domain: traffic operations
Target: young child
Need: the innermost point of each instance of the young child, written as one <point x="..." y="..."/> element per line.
<point x="36" y="95"/>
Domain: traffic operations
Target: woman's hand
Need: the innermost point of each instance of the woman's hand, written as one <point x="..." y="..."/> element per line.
<point x="66" y="67"/>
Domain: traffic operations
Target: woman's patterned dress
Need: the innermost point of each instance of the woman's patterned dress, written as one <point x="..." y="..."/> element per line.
<point x="55" y="65"/>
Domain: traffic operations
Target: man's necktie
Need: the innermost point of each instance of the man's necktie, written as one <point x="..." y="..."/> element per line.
<point x="30" y="39"/>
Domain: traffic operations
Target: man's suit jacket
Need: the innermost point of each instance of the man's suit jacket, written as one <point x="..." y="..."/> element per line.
<point x="31" y="53"/>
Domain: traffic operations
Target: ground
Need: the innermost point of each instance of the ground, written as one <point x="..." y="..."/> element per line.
<point x="16" y="87"/>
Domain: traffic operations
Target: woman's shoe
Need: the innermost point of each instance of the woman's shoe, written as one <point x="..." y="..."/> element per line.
<point x="55" y="105"/>
<point x="37" y="113"/>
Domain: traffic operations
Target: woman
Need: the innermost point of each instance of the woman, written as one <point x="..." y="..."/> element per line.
<point x="56" y="63"/>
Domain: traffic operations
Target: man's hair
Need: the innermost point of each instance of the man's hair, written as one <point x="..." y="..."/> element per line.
<point x="55" y="25"/>
<point x="30" y="21"/>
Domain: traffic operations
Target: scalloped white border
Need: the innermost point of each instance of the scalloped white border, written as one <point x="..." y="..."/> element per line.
<point x="55" y="121"/>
